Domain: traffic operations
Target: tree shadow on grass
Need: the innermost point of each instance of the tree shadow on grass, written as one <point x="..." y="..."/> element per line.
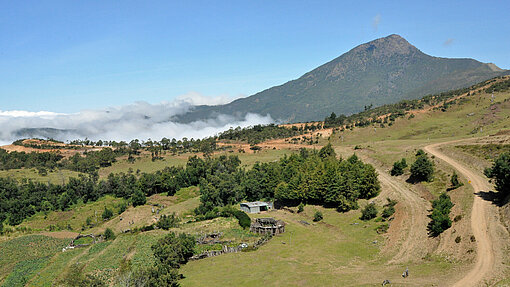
<point x="493" y="197"/>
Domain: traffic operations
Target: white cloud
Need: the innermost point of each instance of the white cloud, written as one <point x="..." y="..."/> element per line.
<point x="139" y="120"/>
<point x="43" y="114"/>
<point x="197" y="99"/>
<point x="376" y="21"/>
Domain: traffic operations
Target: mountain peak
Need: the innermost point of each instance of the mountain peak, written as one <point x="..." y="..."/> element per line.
<point x="387" y="46"/>
<point x="382" y="71"/>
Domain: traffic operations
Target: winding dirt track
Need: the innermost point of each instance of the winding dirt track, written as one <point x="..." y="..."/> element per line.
<point x="415" y="219"/>
<point x="485" y="257"/>
<point x="415" y="210"/>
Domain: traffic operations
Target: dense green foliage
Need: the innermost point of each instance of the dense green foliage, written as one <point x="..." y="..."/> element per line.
<point x="109" y="234"/>
<point x="389" y="209"/>
<point x="317" y="216"/>
<point x="19" y="200"/>
<point x="440" y="216"/>
<point x="244" y="219"/>
<point x="334" y="121"/>
<point x="170" y="253"/>
<point x="422" y="168"/>
<point x="398" y="167"/>
<point x="90" y="162"/>
<point x="107" y="213"/>
<point x="500" y="171"/>
<point x="309" y="177"/>
<point x="369" y="212"/>
<point x="16" y="159"/>
<point x="138" y="198"/>
<point x="168" y="221"/>
<point x="301" y="208"/>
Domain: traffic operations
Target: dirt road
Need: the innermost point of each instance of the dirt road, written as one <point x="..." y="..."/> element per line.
<point x="416" y="217"/>
<point x="411" y="229"/>
<point x="480" y="221"/>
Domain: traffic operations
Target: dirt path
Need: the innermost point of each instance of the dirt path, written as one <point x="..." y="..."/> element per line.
<point x="481" y="221"/>
<point x="411" y="231"/>
<point x="414" y="220"/>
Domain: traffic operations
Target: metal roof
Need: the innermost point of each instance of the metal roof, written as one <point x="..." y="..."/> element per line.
<point x="255" y="203"/>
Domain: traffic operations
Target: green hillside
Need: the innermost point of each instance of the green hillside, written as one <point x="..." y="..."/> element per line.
<point x="382" y="71"/>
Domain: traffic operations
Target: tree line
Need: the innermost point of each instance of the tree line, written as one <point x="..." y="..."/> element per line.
<point x="311" y="176"/>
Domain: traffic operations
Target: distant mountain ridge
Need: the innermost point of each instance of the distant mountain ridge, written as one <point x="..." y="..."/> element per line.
<point x="379" y="72"/>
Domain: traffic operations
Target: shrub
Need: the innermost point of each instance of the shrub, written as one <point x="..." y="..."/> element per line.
<point x="122" y="207"/>
<point x="398" y="167"/>
<point x="369" y="212"/>
<point x="107" y="213"/>
<point x="317" y="216"/>
<point x="138" y="198"/>
<point x="454" y="181"/>
<point x="147" y="228"/>
<point x="166" y="222"/>
<point x="422" y="169"/>
<point x="457" y="218"/>
<point x="440" y="216"/>
<point x="301" y="207"/>
<point x="457" y="239"/>
<point x="109" y="234"/>
<point x="244" y="219"/>
<point x="500" y="171"/>
<point x="388" y="211"/>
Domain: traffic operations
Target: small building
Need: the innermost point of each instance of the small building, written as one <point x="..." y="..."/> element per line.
<point x="256" y="206"/>
<point x="267" y="226"/>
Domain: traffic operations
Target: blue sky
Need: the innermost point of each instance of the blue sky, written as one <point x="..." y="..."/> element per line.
<point x="66" y="56"/>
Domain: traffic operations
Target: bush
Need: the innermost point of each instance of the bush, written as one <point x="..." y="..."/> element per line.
<point x="109" y="234"/>
<point x="369" y="212"/>
<point x="122" y="207"/>
<point x="440" y="217"/>
<point x="138" y="198"/>
<point x="398" y="167"/>
<point x="457" y="218"/>
<point x="500" y="171"/>
<point x="388" y="211"/>
<point x="107" y="213"/>
<point x="166" y="222"/>
<point x="422" y="169"/>
<point x="317" y="216"/>
<point x="244" y="219"/>
<point x="301" y="207"/>
<point x="454" y="181"/>
<point x="389" y="208"/>
<point x="457" y="239"/>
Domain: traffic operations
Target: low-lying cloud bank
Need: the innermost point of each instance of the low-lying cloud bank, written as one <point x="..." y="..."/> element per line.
<point x="140" y="120"/>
